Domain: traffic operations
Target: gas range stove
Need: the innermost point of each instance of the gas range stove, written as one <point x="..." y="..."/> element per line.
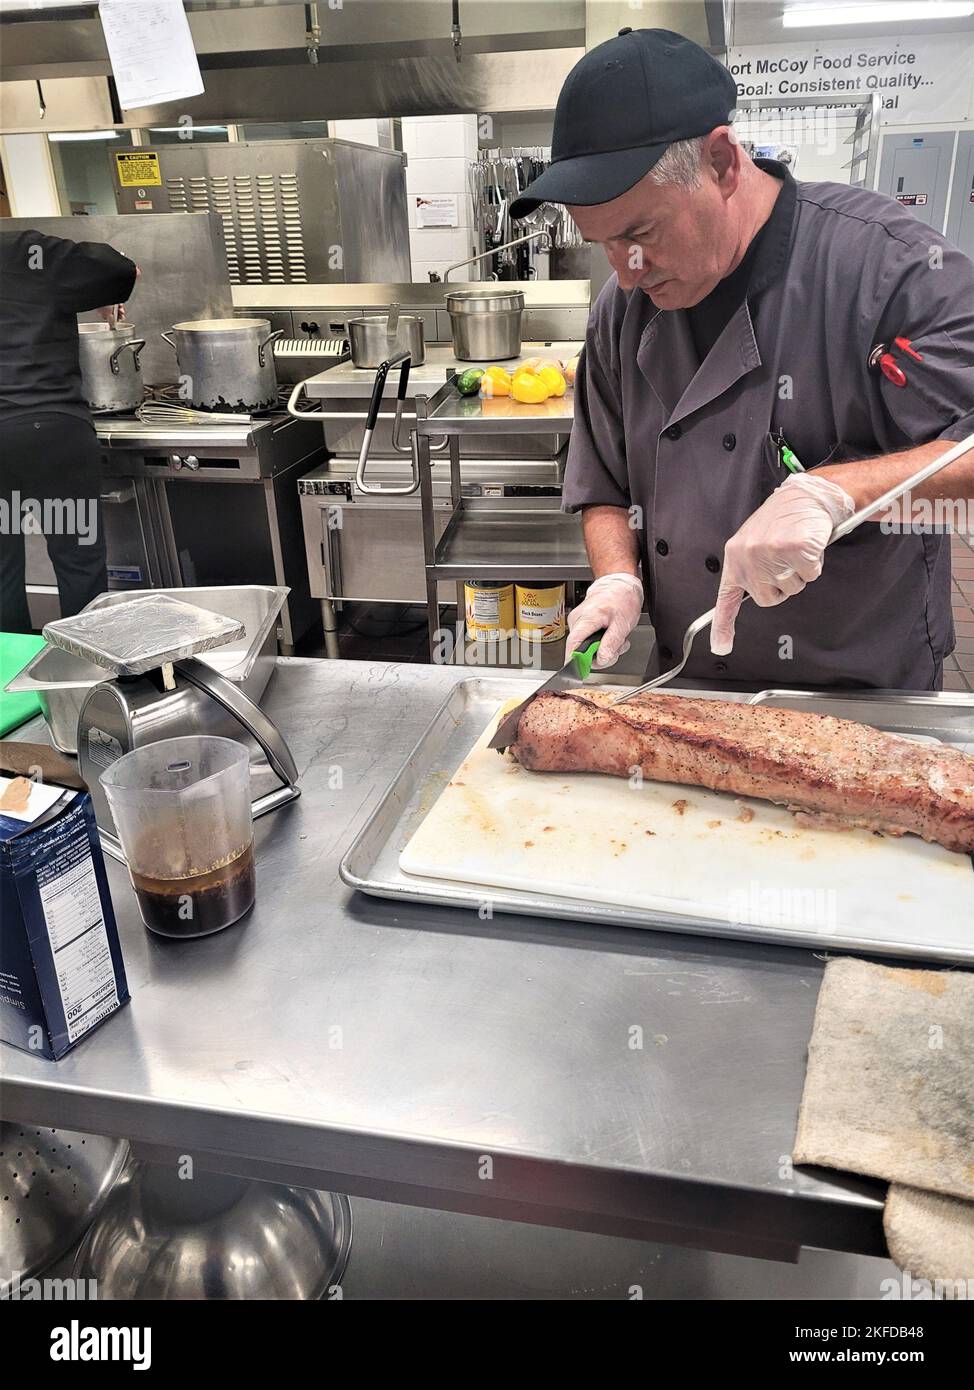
<point x="130" y="434"/>
<point x="249" y="450"/>
<point x="169" y="440"/>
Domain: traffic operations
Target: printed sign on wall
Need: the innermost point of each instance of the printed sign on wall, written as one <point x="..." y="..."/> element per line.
<point x="437" y="210"/>
<point x="918" y="80"/>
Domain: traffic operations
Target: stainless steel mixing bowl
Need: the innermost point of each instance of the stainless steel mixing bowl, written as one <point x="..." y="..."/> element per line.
<point x="52" y="1183"/>
<point x="214" y="1237"/>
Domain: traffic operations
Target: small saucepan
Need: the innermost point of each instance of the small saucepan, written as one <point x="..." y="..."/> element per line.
<point x="375" y="338"/>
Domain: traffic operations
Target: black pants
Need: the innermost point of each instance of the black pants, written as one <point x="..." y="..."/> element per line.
<point x="49" y="480"/>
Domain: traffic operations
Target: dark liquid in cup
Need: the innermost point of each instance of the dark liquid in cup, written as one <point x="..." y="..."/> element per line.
<point x="201" y="903"/>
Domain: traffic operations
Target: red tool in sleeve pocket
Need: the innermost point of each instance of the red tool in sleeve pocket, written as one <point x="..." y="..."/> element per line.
<point x="883" y="358"/>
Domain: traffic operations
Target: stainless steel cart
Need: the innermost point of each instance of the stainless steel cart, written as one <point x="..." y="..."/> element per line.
<point x="365" y="545"/>
<point x="518" y="538"/>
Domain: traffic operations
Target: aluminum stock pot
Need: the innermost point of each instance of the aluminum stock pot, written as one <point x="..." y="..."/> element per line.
<point x="226" y="364"/>
<point x="111" y="378"/>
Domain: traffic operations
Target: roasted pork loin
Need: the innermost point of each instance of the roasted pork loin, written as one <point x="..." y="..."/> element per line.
<point x="834" y="771"/>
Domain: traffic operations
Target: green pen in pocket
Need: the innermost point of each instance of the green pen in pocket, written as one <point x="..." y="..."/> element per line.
<point x="788" y="456"/>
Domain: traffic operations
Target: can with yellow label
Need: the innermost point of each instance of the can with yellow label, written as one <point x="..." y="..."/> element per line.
<point x="489" y="606"/>
<point x="540" y="613"/>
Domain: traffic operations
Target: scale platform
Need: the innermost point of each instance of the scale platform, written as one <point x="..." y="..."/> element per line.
<point x="148" y="632"/>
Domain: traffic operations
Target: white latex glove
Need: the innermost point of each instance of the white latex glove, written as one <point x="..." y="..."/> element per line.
<point x="778" y="550"/>
<point x="614" y="602"/>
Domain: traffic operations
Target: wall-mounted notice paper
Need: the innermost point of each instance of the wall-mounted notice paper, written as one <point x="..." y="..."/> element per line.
<point x="437" y="210"/>
<point x="151" y="51"/>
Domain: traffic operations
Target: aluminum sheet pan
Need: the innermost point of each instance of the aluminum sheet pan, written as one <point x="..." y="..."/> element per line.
<point x="371" y="864"/>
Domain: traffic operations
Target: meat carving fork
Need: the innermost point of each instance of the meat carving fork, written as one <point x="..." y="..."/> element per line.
<point x="843" y="529"/>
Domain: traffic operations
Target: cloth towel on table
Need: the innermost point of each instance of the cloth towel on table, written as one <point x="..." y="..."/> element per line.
<point x="930" y="1235"/>
<point x="889" y="1091"/>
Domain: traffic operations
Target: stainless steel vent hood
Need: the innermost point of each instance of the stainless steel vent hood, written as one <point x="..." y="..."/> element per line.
<point x="377" y="58"/>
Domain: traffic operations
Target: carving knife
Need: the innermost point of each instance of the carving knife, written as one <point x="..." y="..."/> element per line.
<point x="576" y="669"/>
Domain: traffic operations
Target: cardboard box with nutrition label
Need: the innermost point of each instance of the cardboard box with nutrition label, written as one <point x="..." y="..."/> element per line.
<point x="61" y="969"/>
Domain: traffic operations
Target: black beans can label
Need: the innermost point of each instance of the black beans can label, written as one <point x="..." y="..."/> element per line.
<point x="540" y="613"/>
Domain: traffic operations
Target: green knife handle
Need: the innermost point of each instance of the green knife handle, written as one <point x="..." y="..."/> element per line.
<point x="583" y="657"/>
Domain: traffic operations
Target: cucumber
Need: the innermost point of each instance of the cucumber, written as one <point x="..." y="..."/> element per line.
<point x="468" y="382"/>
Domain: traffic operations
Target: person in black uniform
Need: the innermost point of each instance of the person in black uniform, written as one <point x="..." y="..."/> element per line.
<point x="49" y="455"/>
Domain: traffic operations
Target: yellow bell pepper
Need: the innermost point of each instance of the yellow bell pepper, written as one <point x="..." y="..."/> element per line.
<point x="495" y="385"/>
<point x="554" y="380"/>
<point x="529" y="388"/>
<point x="499" y="374"/>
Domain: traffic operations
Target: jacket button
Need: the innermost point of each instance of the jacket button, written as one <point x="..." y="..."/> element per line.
<point x="673" y="432"/>
<point x="730" y="442"/>
<point x="662" y="548"/>
<point x="720" y="666"/>
<point x="666" y="654"/>
<point x="713" y="564"/>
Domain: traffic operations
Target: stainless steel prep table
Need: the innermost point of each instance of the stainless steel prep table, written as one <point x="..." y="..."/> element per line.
<point x="425" y="1056"/>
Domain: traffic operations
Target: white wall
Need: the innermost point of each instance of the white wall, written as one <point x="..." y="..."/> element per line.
<point x="31" y="185"/>
<point x="439" y="150"/>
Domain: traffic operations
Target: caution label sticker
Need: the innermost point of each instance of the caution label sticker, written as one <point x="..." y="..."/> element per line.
<point x="137" y="168"/>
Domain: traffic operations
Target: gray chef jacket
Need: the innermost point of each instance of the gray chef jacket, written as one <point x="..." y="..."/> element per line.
<point x="691" y="446"/>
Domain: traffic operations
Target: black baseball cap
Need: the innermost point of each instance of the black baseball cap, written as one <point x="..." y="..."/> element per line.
<point x="621" y="106"/>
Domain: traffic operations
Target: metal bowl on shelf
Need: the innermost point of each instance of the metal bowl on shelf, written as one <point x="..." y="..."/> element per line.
<point x="52" y="1184"/>
<point x="215" y="1237"/>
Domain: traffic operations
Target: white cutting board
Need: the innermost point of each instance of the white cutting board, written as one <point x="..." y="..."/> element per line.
<point x="687" y="851"/>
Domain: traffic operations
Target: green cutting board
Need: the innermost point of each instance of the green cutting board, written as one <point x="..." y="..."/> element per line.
<point x="16" y="649"/>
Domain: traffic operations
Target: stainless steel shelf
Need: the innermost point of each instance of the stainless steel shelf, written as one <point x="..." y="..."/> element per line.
<point x="512" y="538"/>
<point x="525" y="538"/>
<point x="451" y="413"/>
<point x="346" y="381"/>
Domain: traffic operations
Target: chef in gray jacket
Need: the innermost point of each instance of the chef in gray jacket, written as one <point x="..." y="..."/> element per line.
<point x="768" y="357"/>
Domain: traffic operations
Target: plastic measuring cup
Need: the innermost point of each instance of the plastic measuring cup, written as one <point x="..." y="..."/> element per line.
<point x="183" y="815"/>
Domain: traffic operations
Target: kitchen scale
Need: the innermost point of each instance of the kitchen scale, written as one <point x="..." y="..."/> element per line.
<point x="161" y="691"/>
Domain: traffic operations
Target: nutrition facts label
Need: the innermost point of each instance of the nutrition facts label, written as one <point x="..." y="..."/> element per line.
<point x="82" y="958"/>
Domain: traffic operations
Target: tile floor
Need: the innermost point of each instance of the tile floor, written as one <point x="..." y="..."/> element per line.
<point x="959" y="668"/>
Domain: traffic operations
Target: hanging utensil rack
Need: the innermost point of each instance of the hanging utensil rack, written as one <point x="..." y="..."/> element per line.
<point x="496" y="178"/>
